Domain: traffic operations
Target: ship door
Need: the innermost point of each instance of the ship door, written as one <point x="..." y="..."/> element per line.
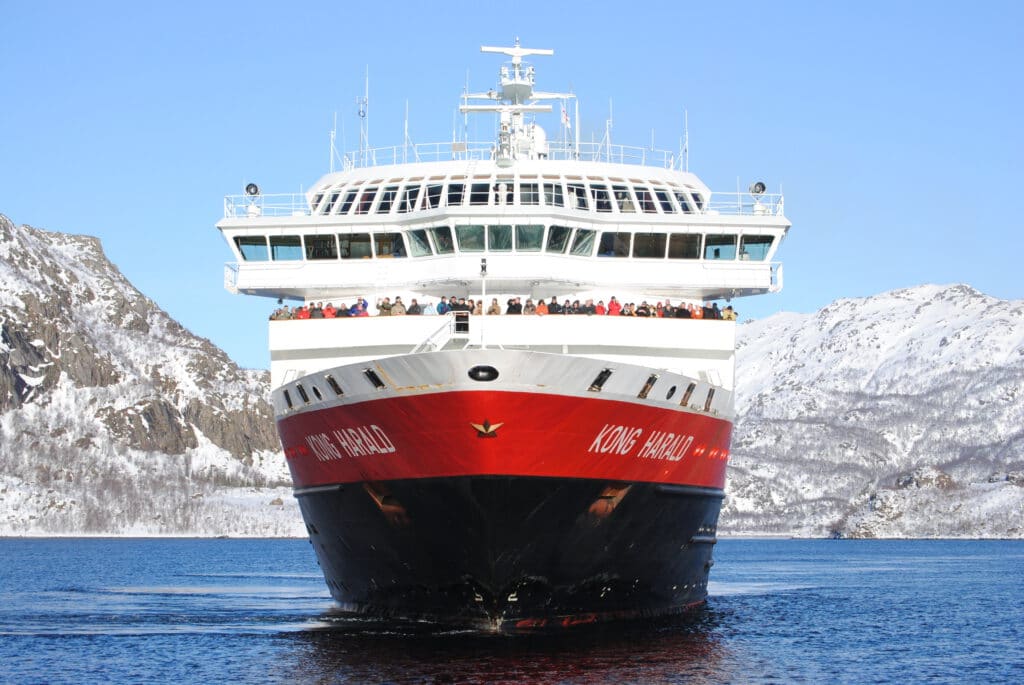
<point x="461" y="323"/>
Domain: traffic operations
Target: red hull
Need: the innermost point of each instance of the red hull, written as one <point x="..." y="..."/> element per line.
<point x="505" y="433"/>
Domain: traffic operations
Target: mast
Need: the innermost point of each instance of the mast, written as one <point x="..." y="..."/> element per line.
<point x="515" y="98"/>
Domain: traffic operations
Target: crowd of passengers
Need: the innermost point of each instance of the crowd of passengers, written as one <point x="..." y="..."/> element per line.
<point x="514" y="306"/>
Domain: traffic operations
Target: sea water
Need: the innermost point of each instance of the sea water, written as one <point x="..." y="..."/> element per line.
<point x="779" y="611"/>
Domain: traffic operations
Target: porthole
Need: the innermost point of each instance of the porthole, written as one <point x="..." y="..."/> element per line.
<point x="670" y="393"/>
<point x="483" y="373"/>
<point x="316" y="393"/>
<point x="288" y="400"/>
<point x="302" y="393"/>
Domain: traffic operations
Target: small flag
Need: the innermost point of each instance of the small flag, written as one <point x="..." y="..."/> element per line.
<point x="565" y="118"/>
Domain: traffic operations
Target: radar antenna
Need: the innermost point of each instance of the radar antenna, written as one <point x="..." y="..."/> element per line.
<point x="514" y="98"/>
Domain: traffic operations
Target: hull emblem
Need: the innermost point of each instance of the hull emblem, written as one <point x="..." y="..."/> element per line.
<point x="486" y="429"/>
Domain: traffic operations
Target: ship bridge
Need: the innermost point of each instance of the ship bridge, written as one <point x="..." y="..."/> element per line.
<point x="543" y="228"/>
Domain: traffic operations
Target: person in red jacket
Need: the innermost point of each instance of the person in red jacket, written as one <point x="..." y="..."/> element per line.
<point x="614" y="308"/>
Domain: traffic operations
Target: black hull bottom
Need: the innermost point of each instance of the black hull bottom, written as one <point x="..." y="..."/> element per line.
<point x="513" y="553"/>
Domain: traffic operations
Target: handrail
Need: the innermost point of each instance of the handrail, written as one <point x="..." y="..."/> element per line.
<point x="447" y="326"/>
<point x="479" y="150"/>
<point x="296" y="204"/>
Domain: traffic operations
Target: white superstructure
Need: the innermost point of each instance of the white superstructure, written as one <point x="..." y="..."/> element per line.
<point x="527" y="215"/>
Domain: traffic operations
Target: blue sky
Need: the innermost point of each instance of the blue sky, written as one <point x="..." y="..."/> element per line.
<point x="894" y="128"/>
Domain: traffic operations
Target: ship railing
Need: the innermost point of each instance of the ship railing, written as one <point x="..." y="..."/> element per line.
<point x="745" y="204"/>
<point x="558" y="150"/>
<point x="277" y="204"/>
<point x="438" y="338"/>
<point x="295" y="204"/>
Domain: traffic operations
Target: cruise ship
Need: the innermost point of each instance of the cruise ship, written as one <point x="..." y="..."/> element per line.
<point x="492" y="470"/>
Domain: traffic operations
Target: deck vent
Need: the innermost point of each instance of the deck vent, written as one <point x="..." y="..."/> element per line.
<point x="372" y="376"/>
<point x="647" y="386"/>
<point x="483" y="373"/>
<point x="707" y="402"/>
<point x="686" y="395"/>
<point x="302" y="393"/>
<point x="671" y="391"/>
<point x="316" y="393"/>
<point x="600" y="380"/>
<point x="288" y="400"/>
<point x="334" y="385"/>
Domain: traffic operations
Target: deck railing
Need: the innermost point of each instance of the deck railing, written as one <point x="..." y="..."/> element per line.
<point x="296" y="204"/>
<point x="466" y="150"/>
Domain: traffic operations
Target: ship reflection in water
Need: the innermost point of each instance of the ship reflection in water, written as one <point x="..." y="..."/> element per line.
<point x="680" y="649"/>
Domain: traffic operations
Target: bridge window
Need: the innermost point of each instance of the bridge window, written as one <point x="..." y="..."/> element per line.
<point x="366" y="200"/>
<point x="664" y="201"/>
<point x="646" y="200"/>
<point x="755" y="247"/>
<point x="577" y="196"/>
<point x="456" y="191"/>
<point x="433" y="198"/>
<point x="387" y="198"/>
<point x="355" y="245"/>
<point x="419" y="245"/>
<point x="389" y="245"/>
<point x="622" y="199"/>
<point x="528" y="194"/>
<point x="253" y="247"/>
<point x="321" y="247"/>
<point x="316" y="202"/>
<point x="649" y="245"/>
<point x="717" y="246"/>
<point x="614" y="244"/>
<point x="553" y="195"/>
<point x="529" y="237"/>
<point x="285" y="247"/>
<point x="499" y="238"/>
<point x="601" y="200"/>
<point x="698" y="200"/>
<point x="442" y="237"/>
<point x="471" y="238"/>
<point x="684" y="246"/>
<point x="329" y="205"/>
<point x="583" y="242"/>
<point x="346" y="204"/>
<point x="684" y="201"/>
<point x="558" y="239"/>
<point x="478" y="193"/>
<point x="409" y="197"/>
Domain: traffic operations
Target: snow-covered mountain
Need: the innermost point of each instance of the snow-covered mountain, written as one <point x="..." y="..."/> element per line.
<point x="114" y="419"/>
<point x="900" y="414"/>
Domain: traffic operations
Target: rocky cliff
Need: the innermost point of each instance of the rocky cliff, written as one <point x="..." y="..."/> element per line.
<point x="113" y="417"/>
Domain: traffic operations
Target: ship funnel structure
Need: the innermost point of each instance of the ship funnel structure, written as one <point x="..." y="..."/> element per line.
<point x="514" y="98"/>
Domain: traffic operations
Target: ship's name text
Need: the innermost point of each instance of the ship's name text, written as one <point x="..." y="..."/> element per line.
<point x="350" y="442"/>
<point x="617" y="439"/>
